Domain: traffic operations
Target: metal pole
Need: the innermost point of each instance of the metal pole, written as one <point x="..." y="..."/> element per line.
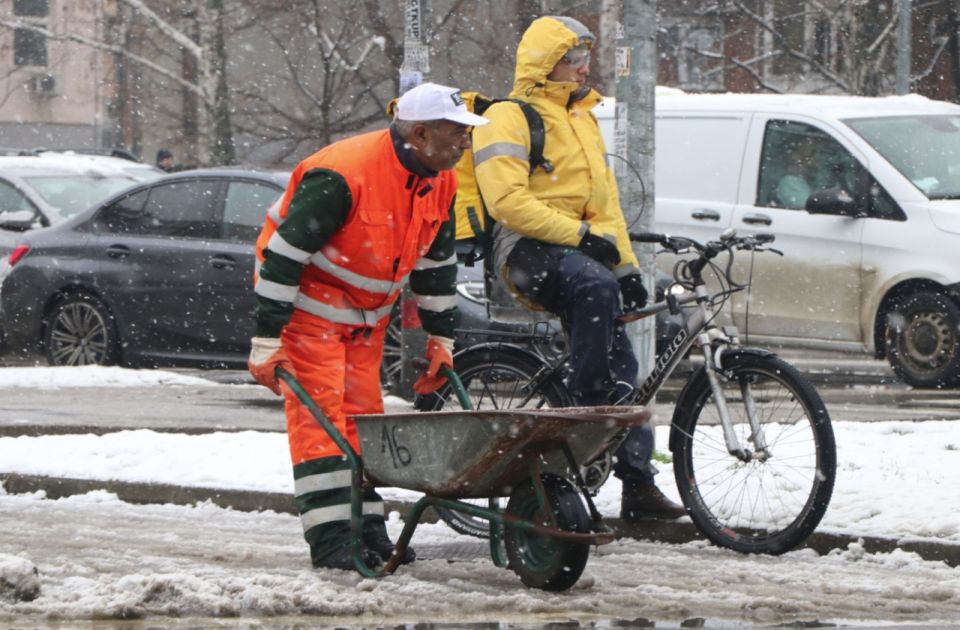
<point x="904" y="46"/>
<point x="413" y="71"/>
<point x="636" y="75"/>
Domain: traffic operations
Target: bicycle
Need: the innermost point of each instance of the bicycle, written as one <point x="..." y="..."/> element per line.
<point x="753" y="448"/>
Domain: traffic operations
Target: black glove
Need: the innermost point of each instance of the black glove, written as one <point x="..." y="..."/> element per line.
<point x="633" y="292"/>
<point x="600" y="249"/>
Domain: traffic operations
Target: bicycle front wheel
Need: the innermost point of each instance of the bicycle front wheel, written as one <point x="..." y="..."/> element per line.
<point x="771" y="498"/>
<point x="496" y="377"/>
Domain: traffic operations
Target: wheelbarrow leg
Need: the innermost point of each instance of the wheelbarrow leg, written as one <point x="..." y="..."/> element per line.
<point x="595" y="516"/>
<point x="356" y="472"/>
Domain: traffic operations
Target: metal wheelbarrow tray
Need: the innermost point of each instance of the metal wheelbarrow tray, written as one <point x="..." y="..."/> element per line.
<point x="531" y="455"/>
<point x="470" y="454"/>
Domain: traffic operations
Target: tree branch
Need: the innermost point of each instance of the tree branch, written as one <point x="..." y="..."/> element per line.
<point x="826" y="72"/>
<point x="119" y="50"/>
<point x="182" y="40"/>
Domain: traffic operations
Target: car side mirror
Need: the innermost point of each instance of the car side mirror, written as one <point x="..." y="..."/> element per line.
<point x="835" y="201"/>
<point x="17" y="220"/>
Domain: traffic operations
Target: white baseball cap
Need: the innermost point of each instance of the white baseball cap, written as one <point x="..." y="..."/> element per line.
<point x="430" y="101"/>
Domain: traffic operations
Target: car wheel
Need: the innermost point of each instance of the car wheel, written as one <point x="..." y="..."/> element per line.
<point x="80" y="331"/>
<point x="921" y="337"/>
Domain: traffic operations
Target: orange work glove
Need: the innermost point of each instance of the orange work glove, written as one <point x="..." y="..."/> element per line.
<point x="266" y="356"/>
<point x="440" y="354"/>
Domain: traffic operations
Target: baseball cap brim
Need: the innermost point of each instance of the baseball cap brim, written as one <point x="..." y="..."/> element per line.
<point x="466" y="118"/>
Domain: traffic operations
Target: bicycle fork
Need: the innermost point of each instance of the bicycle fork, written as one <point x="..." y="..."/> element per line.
<point x="761" y="452"/>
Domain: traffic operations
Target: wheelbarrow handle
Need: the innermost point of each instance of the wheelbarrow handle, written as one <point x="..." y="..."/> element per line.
<point x="318" y="414"/>
<point x="454" y="379"/>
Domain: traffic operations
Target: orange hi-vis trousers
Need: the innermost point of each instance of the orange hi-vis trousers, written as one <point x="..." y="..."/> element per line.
<point x="339" y="366"/>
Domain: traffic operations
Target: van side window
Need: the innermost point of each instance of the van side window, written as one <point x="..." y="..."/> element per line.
<point x="799" y="159"/>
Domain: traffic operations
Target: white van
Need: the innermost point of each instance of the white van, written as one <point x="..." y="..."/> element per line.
<point x="863" y="195"/>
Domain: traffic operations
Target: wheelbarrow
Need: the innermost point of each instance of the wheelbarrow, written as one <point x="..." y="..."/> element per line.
<point x="532" y="456"/>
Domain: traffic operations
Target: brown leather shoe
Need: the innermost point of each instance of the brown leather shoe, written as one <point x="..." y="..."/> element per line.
<point x="645" y="500"/>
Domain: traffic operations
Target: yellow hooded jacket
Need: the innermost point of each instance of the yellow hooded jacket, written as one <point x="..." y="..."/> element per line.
<point x="581" y="192"/>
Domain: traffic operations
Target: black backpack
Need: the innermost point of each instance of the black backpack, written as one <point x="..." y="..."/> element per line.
<point x="474" y="244"/>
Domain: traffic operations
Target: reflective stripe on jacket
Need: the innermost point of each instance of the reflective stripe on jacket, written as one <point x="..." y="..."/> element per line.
<point x="394" y="217"/>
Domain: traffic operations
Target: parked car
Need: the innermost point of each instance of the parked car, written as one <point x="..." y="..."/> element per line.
<point x="863" y="196"/>
<point x="45" y="188"/>
<point x="162" y="274"/>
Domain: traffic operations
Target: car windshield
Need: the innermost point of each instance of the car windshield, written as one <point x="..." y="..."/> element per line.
<point x="71" y="194"/>
<point x="926" y="149"/>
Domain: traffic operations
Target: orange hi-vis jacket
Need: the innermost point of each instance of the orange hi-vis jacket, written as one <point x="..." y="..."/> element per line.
<point x="394" y="217"/>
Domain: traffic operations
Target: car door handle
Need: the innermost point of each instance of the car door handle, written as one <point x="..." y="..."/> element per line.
<point x="703" y="214"/>
<point x="222" y="262"/>
<point x="757" y="219"/>
<point x="118" y="251"/>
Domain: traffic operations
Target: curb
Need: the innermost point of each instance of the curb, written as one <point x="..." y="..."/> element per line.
<point x="253" y="501"/>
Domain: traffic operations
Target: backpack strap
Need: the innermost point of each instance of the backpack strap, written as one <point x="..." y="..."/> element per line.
<point x="537" y="136"/>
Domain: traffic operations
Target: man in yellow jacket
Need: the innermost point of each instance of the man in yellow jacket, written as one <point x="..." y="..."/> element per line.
<point x="561" y="241"/>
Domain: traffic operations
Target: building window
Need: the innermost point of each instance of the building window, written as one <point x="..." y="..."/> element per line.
<point x="29" y="48"/>
<point x="31" y="8"/>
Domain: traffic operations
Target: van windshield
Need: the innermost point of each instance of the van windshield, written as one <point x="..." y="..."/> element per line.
<point x="926" y="149"/>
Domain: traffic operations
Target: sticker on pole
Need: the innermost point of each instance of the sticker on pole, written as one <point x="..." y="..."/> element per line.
<point x="620" y="129"/>
<point x="409" y="80"/>
<point x="412" y="31"/>
<point x="416" y="57"/>
<point x="623" y="61"/>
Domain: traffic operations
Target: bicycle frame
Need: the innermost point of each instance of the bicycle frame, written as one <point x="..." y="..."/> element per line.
<point x="698" y="331"/>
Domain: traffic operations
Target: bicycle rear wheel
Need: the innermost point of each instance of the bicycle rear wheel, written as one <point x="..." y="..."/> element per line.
<point x="763" y="503"/>
<point x="497" y="377"/>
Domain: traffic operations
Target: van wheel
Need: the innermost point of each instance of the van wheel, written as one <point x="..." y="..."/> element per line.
<point x="80" y="331"/>
<point x="921" y="338"/>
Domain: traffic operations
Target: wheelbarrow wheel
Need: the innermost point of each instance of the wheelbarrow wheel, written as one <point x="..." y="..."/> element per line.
<point x="503" y="377"/>
<point x="541" y="561"/>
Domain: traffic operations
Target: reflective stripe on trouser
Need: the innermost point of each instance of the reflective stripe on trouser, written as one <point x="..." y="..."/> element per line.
<point x="339" y="366"/>
<point x="322" y="494"/>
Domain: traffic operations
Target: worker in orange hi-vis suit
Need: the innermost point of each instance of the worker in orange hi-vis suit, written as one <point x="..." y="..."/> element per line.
<point x="358" y="219"/>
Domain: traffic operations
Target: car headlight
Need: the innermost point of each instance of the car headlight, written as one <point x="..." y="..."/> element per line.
<point x="473" y="291"/>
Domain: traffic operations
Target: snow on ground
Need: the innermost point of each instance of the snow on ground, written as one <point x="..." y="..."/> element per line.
<point x="93" y="376"/>
<point x="100" y="558"/>
<point x="894" y="479"/>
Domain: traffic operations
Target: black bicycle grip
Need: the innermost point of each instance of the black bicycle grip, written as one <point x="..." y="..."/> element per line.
<point x="647" y="237"/>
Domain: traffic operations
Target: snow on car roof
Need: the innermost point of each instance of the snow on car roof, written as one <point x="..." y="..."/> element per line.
<point x="48" y="162"/>
<point x="831" y="106"/>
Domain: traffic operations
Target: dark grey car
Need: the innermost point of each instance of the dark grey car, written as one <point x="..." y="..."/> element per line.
<point x="160" y="274"/>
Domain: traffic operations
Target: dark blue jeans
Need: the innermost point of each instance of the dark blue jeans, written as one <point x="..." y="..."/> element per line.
<point x="586" y="297"/>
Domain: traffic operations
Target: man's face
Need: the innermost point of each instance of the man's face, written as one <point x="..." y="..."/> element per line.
<point x="573" y="67"/>
<point x="440" y="144"/>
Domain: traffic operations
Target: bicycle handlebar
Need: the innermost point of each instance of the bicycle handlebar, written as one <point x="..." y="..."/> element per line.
<point x="689" y="271"/>
<point x="728" y="240"/>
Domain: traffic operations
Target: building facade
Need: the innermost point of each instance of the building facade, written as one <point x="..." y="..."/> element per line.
<point x="54" y="93"/>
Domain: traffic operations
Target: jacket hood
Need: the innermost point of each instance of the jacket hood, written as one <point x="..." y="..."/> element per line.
<point x="543" y="44"/>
